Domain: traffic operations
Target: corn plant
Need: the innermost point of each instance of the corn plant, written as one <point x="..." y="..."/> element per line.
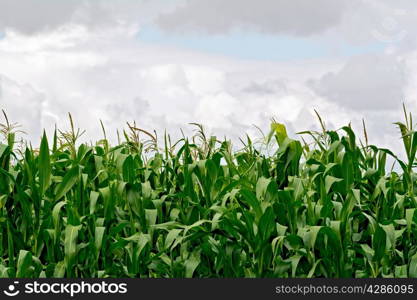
<point x="198" y="207"/>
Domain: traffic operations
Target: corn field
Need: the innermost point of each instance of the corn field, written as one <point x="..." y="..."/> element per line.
<point x="199" y="207"/>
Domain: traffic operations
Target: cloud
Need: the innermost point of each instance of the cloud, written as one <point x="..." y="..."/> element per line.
<point x="115" y="78"/>
<point x="34" y="16"/>
<point x="23" y="105"/>
<point x="297" y="17"/>
<point x="104" y="72"/>
<point x="370" y="82"/>
<point x="31" y="15"/>
<point x="265" y="88"/>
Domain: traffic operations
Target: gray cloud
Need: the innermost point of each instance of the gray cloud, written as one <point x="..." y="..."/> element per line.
<point x="298" y="17"/>
<point x="31" y="16"/>
<point x="265" y="88"/>
<point x="365" y="82"/>
<point x="23" y="105"/>
<point x="138" y="108"/>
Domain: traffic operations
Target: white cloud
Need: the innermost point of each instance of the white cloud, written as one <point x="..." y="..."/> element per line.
<point x="95" y="68"/>
<point x="117" y="79"/>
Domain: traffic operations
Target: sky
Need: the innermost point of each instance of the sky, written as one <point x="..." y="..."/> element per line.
<point x="228" y="65"/>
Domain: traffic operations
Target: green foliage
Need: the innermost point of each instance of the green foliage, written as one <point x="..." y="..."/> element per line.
<point x="198" y="208"/>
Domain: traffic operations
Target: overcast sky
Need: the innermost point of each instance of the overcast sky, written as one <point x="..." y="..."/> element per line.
<point x="226" y="64"/>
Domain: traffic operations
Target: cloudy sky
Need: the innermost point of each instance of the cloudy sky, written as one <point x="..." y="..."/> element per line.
<point x="226" y="64"/>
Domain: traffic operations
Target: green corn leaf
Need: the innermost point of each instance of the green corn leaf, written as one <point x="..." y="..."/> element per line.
<point x="24" y="264"/>
<point x="67" y="183"/>
<point x="44" y="165"/>
<point x="98" y="238"/>
<point x="59" y="271"/>
<point x="70" y="247"/>
<point x="192" y="263"/>
<point x="409" y="214"/>
<point x="379" y="243"/>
